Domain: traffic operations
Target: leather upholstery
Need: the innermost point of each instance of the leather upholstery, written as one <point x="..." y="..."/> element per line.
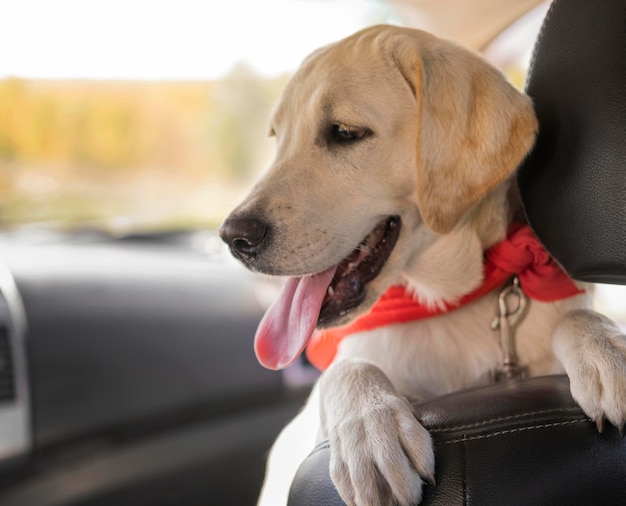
<point x="574" y="182"/>
<point x="527" y="443"/>
<point x="524" y="443"/>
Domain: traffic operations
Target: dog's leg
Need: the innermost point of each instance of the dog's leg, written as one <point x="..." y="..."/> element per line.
<point x="592" y="350"/>
<point x="291" y="447"/>
<point x="379" y="451"/>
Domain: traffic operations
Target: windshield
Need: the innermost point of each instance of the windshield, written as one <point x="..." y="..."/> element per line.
<point x="130" y="115"/>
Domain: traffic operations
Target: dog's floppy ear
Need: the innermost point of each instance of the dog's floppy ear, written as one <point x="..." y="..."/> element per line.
<point x="474" y="127"/>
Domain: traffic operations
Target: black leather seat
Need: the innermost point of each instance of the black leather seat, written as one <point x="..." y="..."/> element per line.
<point x="527" y="443"/>
<point x="518" y="444"/>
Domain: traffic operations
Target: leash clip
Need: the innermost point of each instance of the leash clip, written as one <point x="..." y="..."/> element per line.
<point x="512" y="302"/>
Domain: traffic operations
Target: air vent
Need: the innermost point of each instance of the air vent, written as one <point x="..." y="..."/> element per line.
<point x="7" y="377"/>
<point x="15" y="425"/>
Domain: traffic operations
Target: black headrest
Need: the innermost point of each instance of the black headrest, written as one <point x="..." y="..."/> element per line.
<point x="574" y="182"/>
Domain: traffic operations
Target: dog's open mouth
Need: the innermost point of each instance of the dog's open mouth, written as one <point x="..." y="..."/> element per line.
<point x="321" y="299"/>
<point x="347" y="289"/>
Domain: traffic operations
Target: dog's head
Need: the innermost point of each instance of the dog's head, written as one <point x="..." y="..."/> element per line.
<point x="385" y="141"/>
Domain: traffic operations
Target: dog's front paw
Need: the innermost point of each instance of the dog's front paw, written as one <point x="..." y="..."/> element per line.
<point x="592" y="350"/>
<point x="380" y="453"/>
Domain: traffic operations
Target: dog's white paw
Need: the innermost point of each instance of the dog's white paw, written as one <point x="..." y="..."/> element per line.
<point x="592" y="350"/>
<point x="380" y="453"/>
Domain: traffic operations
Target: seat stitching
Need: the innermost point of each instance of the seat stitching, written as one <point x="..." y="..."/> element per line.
<point x="503" y="419"/>
<point x="517" y="429"/>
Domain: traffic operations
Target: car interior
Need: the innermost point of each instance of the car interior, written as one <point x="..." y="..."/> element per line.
<point x="127" y="370"/>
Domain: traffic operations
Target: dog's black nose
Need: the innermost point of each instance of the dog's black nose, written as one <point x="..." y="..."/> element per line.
<point x="245" y="236"/>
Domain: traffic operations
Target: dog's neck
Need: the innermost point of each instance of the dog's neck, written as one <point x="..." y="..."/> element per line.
<point x="461" y="251"/>
<point x="519" y="259"/>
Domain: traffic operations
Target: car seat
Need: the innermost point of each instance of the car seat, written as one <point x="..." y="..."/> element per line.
<point x="527" y="442"/>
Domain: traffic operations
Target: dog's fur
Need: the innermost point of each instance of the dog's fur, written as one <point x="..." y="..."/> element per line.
<point x="445" y="135"/>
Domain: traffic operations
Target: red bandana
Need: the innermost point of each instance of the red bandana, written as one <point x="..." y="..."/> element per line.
<point x="541" y="278"/>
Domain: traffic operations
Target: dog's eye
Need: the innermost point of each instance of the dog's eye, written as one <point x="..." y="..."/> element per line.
<point x="344" y="134"/>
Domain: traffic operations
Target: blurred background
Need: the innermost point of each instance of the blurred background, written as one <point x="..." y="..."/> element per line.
<point x="126" y="115"/>
<point x="134" y="115"/>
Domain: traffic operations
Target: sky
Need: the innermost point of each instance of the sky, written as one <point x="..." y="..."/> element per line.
<point x="167" y="39"/>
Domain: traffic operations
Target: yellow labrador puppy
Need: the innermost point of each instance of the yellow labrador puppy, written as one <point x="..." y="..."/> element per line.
<point x="394" y="164"/>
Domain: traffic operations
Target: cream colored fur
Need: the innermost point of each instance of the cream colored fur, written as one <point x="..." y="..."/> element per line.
<point x="447" y="133"/>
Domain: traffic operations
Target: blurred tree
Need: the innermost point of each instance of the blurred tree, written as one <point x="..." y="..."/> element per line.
<point x="88" y="150"/>
<point x="12" y="98"/>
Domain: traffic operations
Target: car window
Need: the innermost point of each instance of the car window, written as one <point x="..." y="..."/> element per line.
<point x="129" y="115"/>
<point x="134" y="114"/>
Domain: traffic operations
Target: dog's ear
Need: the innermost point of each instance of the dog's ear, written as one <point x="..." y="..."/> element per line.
<point x="474" y="127"/>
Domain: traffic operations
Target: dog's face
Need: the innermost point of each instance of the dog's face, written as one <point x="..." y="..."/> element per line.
<point x="384" y="141"/>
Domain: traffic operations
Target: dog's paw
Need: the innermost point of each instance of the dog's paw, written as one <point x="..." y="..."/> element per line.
<point x="380" y="456"/>
<point x="380" y="453"/>
<point x="592" y="350"/>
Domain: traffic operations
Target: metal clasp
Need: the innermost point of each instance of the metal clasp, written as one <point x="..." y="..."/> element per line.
<point x="512" y="304"/>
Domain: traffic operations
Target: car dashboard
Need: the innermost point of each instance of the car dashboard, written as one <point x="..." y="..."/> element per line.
<point x="128" y="376"/>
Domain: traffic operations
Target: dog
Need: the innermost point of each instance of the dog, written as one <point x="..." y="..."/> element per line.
<point x="395" y="164"/>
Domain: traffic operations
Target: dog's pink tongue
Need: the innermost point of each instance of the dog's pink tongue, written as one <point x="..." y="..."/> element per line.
<point x="290" y="321"/>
